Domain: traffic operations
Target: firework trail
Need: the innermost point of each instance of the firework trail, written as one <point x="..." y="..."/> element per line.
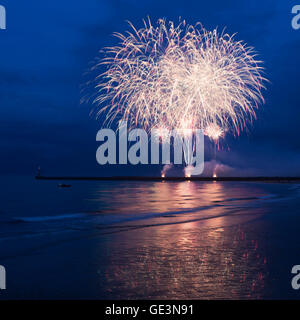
<point x="214" y="133"/>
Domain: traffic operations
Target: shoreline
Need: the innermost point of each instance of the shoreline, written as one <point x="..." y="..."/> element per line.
<point x="141" y="178"/>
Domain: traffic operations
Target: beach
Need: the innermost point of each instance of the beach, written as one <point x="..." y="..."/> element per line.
<point x="149" y="240"/>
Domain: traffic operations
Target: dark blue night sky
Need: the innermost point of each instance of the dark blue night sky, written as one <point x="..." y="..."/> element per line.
<point x="47" y="48"/>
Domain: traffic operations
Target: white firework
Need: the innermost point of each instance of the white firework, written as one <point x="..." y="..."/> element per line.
<point x="183" y="76"/>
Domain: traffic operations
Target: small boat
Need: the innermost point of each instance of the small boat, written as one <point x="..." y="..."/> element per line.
<point x="62" y="185"/>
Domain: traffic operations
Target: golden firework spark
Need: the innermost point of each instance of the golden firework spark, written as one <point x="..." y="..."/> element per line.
<point x="214" y="132"/>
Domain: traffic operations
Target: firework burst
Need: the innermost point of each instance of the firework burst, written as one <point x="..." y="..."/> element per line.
<point x="214" y="132"/>
<point x="183" y="76"/>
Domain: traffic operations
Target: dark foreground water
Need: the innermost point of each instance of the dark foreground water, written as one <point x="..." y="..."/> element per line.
<point x="149" y="240"/>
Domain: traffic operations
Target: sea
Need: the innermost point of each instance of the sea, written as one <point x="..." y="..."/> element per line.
<point x="149" y="240"/>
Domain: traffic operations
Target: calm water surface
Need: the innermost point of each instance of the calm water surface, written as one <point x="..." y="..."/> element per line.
<point x="147" y="240"/>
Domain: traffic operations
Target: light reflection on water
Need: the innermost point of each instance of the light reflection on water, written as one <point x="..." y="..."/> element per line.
<point x="210" y="253"/>
<point x="159" y="240"/>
